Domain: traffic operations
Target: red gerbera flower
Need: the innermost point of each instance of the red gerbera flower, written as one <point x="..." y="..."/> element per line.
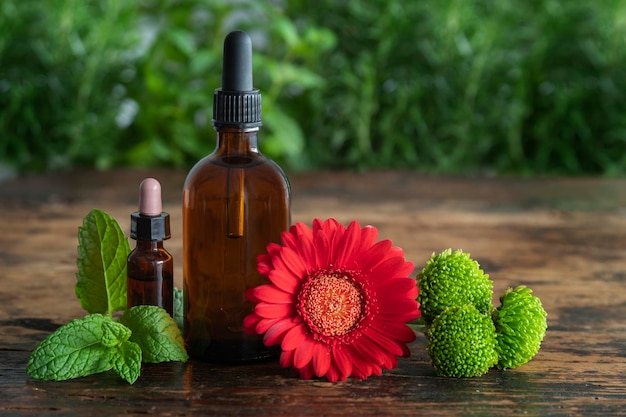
<point x="337" y="302"/>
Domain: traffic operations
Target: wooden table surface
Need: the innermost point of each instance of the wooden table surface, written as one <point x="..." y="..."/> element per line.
<point x="565" y="238"/>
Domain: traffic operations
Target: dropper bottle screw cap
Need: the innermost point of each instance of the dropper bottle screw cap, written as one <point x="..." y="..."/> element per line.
<point x="237" y="104"/>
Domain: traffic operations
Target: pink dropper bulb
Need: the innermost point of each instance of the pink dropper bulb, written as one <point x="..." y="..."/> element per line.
<point x="150" y="197"/>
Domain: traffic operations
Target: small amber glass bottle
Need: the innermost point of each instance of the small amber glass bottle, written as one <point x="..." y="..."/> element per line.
<point x="150" y="268"/>
<point x="235" y="202"/>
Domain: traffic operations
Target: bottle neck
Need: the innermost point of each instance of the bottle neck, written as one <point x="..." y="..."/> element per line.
<point x="232" y="141"/>
<point x="149" y="246"/>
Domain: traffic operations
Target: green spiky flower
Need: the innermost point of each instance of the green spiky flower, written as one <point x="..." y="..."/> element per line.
<point x="521" y="324"/>
<point x="453" y="279"/>
<point x="462" y="342"/>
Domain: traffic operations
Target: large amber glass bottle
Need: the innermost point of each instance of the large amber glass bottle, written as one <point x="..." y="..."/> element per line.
<point x="235" y="202"/>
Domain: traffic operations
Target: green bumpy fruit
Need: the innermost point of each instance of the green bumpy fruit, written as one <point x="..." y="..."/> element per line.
<point x="521" y="324"/>
<point x="462" y="342"/>
<point x="453" y="279"/>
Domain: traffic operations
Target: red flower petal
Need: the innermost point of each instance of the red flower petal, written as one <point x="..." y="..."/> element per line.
<point x="317" y="225"/>
<point x="406" y="270"/>
<point x="249" y="294"/>
<point x="390" y="345"/>
<point x="274" y="311"/>
<point x="286" y="358"/>
<point x="321" y="359"/>
<point x="406" y="352"/>
<point x="374" y="255"/>
<point x="387" y="269"/>
<point x="345" y="247"/>
<point x="369" y="234"/>
<point x="273" y="248"/>
<point x="398" y="287"/>
<point x="334" y="231"/>
<point x="361" y="367"/>
<point x="306" y="372"/>
<point x="394" y="330"/>
<point x="294" y="338"/>
<point x="304" y="353"/>
<point x="331" y="227"/>
<point x="370" y="351"/>
<point x="332" y="374"/>
<point x="404" y="317"/>
<point x="289" y="240"/>
<point x="271" y="294"/>
<point x="250" y="322"/>
<point x="294" y="262"/>
<point x="391" y="362"/>
<point x="275" y="334"/>
<point x="284" y="280"/>
<point x="306" y="249"/>
<point x="322" y="251"/>
<point x="413" y="292"/>
<point x="264" y="264"/>
<point x="342" y="361"/>
<point x="393" y="305"/>
<point x="263" y="325"/>
<point x="303" y="231"/>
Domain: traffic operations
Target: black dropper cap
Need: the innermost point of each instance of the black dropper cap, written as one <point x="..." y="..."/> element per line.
<point x="149" y="228"/>
<point x="237" y="104"/>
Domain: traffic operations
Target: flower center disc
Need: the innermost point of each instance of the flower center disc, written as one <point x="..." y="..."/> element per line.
<point x="331" y="305"/>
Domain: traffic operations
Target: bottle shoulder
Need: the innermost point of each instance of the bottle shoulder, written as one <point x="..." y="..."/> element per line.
<point x="140" y="252"/>
<point x="216" y="168"/>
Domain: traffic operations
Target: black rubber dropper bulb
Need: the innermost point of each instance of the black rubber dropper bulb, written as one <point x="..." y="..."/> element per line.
<point x="237" y="64"/>
<point x="237" y="104"/>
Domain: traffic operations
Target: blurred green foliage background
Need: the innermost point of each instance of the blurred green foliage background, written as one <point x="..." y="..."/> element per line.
<point x="485" y="86"/>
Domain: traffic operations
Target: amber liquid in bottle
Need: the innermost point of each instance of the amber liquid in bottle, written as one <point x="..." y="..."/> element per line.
<point x="235" y="202"/>
<point x="150" y="270"/>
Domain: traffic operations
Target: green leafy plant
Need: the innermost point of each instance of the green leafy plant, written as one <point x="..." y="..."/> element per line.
<point x="182" y="66"/>
<point x="449" y="87"/>
<point x="97" y="343"/>
<point x="384" y="83"/>
<point x="66" y="68"/>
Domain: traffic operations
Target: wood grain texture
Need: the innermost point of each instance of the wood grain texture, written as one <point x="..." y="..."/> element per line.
<point x="564" y="238"/>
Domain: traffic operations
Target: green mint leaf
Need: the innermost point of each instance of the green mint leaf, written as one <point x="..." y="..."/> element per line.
<point x="72" y="351"/>
<point x="156" y="332"/>
<point x="178" y="308"/>
<point x="126" y="361"/>
<point x="114" y="334"/>
<point x="102" y="253"/>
